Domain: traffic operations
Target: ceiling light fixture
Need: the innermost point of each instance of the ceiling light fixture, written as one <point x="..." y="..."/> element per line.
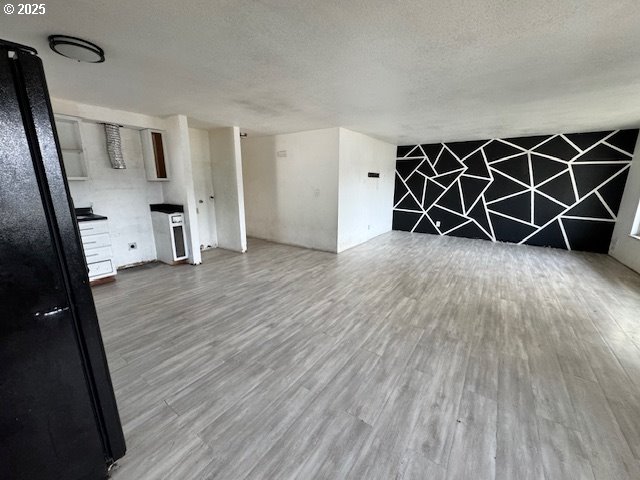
<point x="76" y="49"/>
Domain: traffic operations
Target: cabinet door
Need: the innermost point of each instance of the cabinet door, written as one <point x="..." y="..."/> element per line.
<point x="71" y="146"/>
<point x="154" y="154"/>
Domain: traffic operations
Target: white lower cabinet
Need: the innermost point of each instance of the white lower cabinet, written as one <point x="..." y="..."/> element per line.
<point x="100" y="269"/>
<point x="96" y="243"/>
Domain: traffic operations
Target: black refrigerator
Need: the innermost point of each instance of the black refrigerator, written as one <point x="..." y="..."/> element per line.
<point x="58" y="414"/>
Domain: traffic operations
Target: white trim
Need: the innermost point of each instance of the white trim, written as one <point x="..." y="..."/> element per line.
<point x="447" y="210"/>
<point x="479" y="196"/>
<point x="475" y="176"/>
<point x="462" y="165"/>
<point x="414" y="170"/>
<point x="571" y="143"/>
<point x="483" y="230"/>
<point x="490" y="202"/>
<point x="438" y="198"/>
<point x="449" y="173"/>
<point x="564" y="234"/>
<point x="437" y="183"/>
<point x="531" y="183"/>
<point x="459" y="226"/>
<point x="593" y="219"/>
<point x="525" y="185"/>
<point x="437" y="157"/>
<point x="504" y="159"/>
<point x="613" y="215"/>
<point x="408" y="211"/>
<point x="549" y="197"/>
<point x="557" y="217"/>
<point x="433" y="223"/>
<point x="486" y="214"/>
<point x="417" y="147"/>
<point x="419" y="220"/>
<point x="451" y="152"/>
<point x="602" y="140"/>
<point x="474" y="151"/>
<point x="554" y="177"/>
<point x="424" y="190"/>
<point x="486" y="162"/>
<point x="542" y="143"/>
<point x="601" y="162"/>
<point x="434" y="179"/>
<point x="506" y="142"/>
<point x="511" y="218"/>
<point x="574" y="185"/>
<point x="550" y="157"/>
<point x="400" y="201"/>
<point x="411" y="193"/>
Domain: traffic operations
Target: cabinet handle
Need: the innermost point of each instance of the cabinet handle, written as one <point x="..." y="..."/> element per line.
<point x="93" y="255"/>
<point x="89" y="243"/>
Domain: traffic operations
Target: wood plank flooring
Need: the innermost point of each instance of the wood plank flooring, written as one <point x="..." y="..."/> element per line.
<point x="409" y="357"/>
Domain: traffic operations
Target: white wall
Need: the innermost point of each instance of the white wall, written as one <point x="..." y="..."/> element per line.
<point x="203" y="187"/>
<point x="365" y="205"/>
<point x="293" y="199"/>
<point x="226" y="167"/>
<point x="625" y="248"/>
<point x="180" y="189"/>
<point x="122" y="195"/>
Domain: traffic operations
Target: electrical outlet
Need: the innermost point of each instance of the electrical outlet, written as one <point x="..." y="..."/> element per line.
<point x="133" y="246"/>
<point x="437" y="223"/>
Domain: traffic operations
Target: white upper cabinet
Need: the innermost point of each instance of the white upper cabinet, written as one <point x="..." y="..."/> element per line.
<point x="154" y="154"/>
<point x="70" y="138"/>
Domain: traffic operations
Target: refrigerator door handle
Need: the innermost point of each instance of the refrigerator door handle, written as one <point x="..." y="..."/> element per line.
<point x="52" y="313"/>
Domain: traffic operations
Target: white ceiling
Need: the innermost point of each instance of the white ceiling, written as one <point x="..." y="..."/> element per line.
<point x="406" y="71"/>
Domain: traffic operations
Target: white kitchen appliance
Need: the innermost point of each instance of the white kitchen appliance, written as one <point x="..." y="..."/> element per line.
<point x="170" y="236"/>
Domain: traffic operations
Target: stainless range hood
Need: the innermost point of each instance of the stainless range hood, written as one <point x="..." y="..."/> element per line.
<point x="114" y="145"/>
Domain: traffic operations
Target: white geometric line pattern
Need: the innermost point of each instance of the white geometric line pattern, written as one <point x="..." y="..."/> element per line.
<point x="561" y="191"/>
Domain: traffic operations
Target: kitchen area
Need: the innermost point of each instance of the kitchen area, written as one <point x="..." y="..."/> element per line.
<point x="135" y="202"/>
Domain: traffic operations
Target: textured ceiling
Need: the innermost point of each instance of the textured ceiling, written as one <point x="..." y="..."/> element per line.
<point x="405" y="71"/>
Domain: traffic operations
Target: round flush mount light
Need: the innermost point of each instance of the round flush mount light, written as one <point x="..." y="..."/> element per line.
<point x="76" y="49"/>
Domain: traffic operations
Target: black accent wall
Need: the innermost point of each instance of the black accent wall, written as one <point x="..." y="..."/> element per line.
<point x="559" y="191"/>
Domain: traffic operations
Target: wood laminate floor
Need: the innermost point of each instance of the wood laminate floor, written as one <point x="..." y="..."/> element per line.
<point x="409" y="357"/>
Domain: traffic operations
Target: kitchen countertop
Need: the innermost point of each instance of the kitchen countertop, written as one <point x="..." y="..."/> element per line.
<point x="89" y="218"/>
<point x="166" y="208"/>
<point x="87" y="215"/>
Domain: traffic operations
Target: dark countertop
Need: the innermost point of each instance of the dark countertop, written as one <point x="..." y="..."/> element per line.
<point x="166" y="208"/>
<point x="87" y="215"/>
<point x="90" y="218"/>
